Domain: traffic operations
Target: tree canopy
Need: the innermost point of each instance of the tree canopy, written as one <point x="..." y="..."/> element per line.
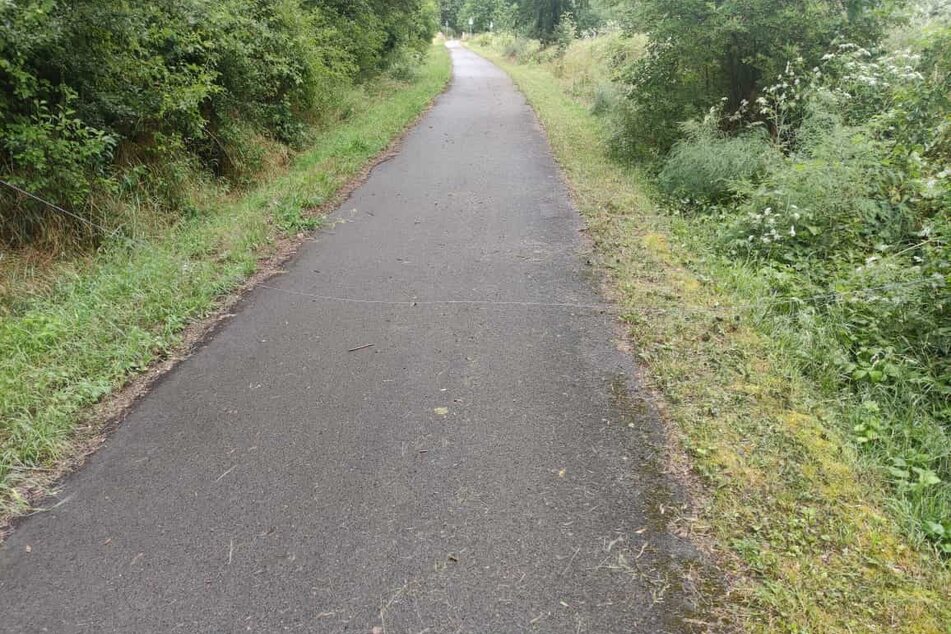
<point x="536" y="18"/>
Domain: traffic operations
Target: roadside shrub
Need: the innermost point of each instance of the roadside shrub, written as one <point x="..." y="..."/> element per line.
<point x="710" y="165"/>
<point x="590" y="63"/>
<point x="818" y="203"/>
<point x="91" y="87"/>
<point x="406" y="65"/>
<point x="565" y="32"/>
<point x="244" y="152"/>
<point x="56" y="151"/>
<point x="850" y="228"/>
<point x="275" y="67"/>
<point x="605" y="98"/>
<point x="511" y="45"/>
<point x="521" y="49"/>
<point x="702" y="52"/>
<point x="657" y="99"/>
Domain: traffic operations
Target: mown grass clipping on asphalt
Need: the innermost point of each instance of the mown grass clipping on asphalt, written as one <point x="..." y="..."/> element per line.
<point x="111" y="316"/>
<point x="804" y="531"/>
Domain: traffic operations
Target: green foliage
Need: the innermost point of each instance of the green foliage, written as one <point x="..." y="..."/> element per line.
<point x="565" y="33"/>
<point x="702" y="51"/>
<point x="711" y="165"/>
<point x="304" y="67"/>
<point x="58" y="151"/>
<point x="92" y="89"/>
<point x="449" y="14"/>
<point x="506" y="17"/>
<point x="590" y="63"/>
<point x="818" y="202"/>
<point x="512" y="46"/>
<point x="848" y="224"/>
<point x="543" y="17"/>
<point x="536" y="19"/>
<point x="483" y="15"/>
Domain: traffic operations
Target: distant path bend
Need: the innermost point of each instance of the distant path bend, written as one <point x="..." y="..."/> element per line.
<point x="461" y="450"/>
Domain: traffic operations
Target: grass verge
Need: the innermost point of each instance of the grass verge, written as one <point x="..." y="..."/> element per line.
<point x="110" y="317"/>
<point x="802" y="527"/>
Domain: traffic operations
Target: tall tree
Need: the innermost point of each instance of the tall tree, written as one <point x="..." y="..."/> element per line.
<point x="543" y="16"/>
<point x="449" y="13"/>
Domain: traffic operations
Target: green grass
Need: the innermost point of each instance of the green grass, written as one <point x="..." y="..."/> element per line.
<point x="109" y="317"/>
<point x="805" y="531"/>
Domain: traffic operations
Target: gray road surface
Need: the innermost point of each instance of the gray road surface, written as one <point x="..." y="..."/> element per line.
<point x="485" y="466"/>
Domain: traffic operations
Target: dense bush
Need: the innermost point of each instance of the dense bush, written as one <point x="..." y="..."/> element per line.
<point x="701" y="52"/>
<point x="819" y="202"/>
<point x="589" y="63"/>
<point x="711" y="165"/>
<point x="586" y="63"/>
<point x="94" y="90"/>
<point x="512" y="46"/>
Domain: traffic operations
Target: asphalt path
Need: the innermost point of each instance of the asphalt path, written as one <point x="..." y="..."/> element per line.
<point x="424" y="425"/>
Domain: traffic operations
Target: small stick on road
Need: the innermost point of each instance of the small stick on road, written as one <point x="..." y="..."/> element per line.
<point x="369" y="345"/>
<point x="570" y="561"/>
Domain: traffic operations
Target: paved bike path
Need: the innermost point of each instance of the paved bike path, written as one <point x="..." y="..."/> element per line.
<point x="424" y="425"/>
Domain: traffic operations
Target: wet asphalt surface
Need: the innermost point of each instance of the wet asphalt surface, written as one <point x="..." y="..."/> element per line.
<point x="488" y="464"/>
